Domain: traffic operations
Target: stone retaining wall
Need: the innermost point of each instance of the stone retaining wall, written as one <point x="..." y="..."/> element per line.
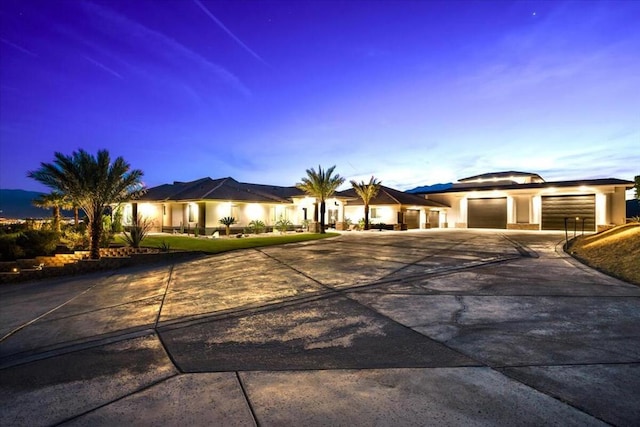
<point x="79" y="263"/>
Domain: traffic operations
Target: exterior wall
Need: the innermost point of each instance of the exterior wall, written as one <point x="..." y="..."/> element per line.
<point x="536" y="210"/>
<point x="386" y="214"/>
<point x="601" y="210"/>
<point x="177" y="214"/>
<point x="618" y="206"/>
<point x="522" y="204"/>
<point x="152" y="212"/>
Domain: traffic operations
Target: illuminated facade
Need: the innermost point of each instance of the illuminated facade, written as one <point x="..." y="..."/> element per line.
<point x="525" y="201"/>
<point x="396" y="208"/>
<point x="503" y="200"/>
<point x="185" y="206"/>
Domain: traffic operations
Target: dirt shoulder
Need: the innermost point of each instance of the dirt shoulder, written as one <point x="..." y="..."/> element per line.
<point x="615" y="252"/>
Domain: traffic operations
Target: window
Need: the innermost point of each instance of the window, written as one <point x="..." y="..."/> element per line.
<point x="373" y="212"/>
<point x="190" y="214"/>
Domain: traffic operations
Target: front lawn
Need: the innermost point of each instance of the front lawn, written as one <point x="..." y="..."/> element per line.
<point x="224" y="244"/>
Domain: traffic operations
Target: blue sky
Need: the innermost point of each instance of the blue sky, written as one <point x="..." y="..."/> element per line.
<point x="414" y="93"/>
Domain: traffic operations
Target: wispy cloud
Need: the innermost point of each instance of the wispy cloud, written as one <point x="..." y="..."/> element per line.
<point x="226" y="30"/>
<point x="163" y="44"/>
<point x="103" y="67"/>
<point x="20" y="48"/>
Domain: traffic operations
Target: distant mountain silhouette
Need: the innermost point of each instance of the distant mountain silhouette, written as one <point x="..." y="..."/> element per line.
<point x="17" y="204"/>
<point x="434" y="187"/>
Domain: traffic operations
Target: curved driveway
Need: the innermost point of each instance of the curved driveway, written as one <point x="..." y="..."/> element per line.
<point x="452" y="327"/>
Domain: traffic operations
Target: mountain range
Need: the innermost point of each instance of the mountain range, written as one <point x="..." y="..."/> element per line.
<point x="17" y="204"/>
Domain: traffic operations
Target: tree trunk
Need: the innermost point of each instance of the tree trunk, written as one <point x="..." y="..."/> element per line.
<point x="322" y="209"/>
<point x="56" y="219"/>
<point x="76" y="216"/>
<point x="96" y="230"/>
<point x="366" y="217"/>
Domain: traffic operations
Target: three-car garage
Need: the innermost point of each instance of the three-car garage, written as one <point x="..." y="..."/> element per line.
<point x="525" y="201"/>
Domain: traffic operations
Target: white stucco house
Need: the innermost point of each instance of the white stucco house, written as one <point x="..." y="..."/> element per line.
<point x="202" y="203"/>
<point x="183" y="206"/>
<point x="522" y="200"/>
<point x="500" y="200"/>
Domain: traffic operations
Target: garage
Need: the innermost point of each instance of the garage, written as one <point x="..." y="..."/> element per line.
<point x="412" y="219"/>
<point x="556" y="208"/>
<point x="487" y="213"/>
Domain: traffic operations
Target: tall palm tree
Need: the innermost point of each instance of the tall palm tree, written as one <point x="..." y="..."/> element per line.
<point x="367" y="192"/>
<point x="321" y="185"/>
<point x="93" y="183"/>
<point x="54" y="201"/>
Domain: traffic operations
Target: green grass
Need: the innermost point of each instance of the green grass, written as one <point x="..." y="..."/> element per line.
<point x="224" y="244"/>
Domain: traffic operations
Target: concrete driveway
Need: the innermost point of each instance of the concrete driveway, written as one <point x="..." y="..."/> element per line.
<point x="439" y="327"/>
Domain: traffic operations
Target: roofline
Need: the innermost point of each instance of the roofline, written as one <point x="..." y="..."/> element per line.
<point x="576" y="183"/>
<point x="493" y="175"/>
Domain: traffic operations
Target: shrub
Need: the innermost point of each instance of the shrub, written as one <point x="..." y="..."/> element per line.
<point x="75" y="239"/>
<point x="107" y="234"/>
<point x="138" y="231"/>
<point x="37" y="242"/>
<point x="283" y="224"/>
<point x="256" y="226"/>
<point x="164" y="246"/>
<point x="116" y="225"/>
<point x="9" y="249"/>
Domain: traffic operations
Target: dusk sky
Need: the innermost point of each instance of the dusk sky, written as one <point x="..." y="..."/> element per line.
<point x="413" y="92"/>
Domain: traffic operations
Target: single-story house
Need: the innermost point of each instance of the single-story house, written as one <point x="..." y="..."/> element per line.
<point x="184" y="206"/>
<point x="525" y="201"/>
<point x="395" y="208"/>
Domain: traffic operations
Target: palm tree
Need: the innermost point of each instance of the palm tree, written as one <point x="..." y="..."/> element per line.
<point x="54" y="201"/>
<point x="228" y="221"/>
<point x="91" y="182"/>
<point x="367" y="192"/>
<point x="321" y="185"/>
<point x="69" y="204"/>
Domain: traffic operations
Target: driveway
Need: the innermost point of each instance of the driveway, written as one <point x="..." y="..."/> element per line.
<point x="437" y="327"/>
